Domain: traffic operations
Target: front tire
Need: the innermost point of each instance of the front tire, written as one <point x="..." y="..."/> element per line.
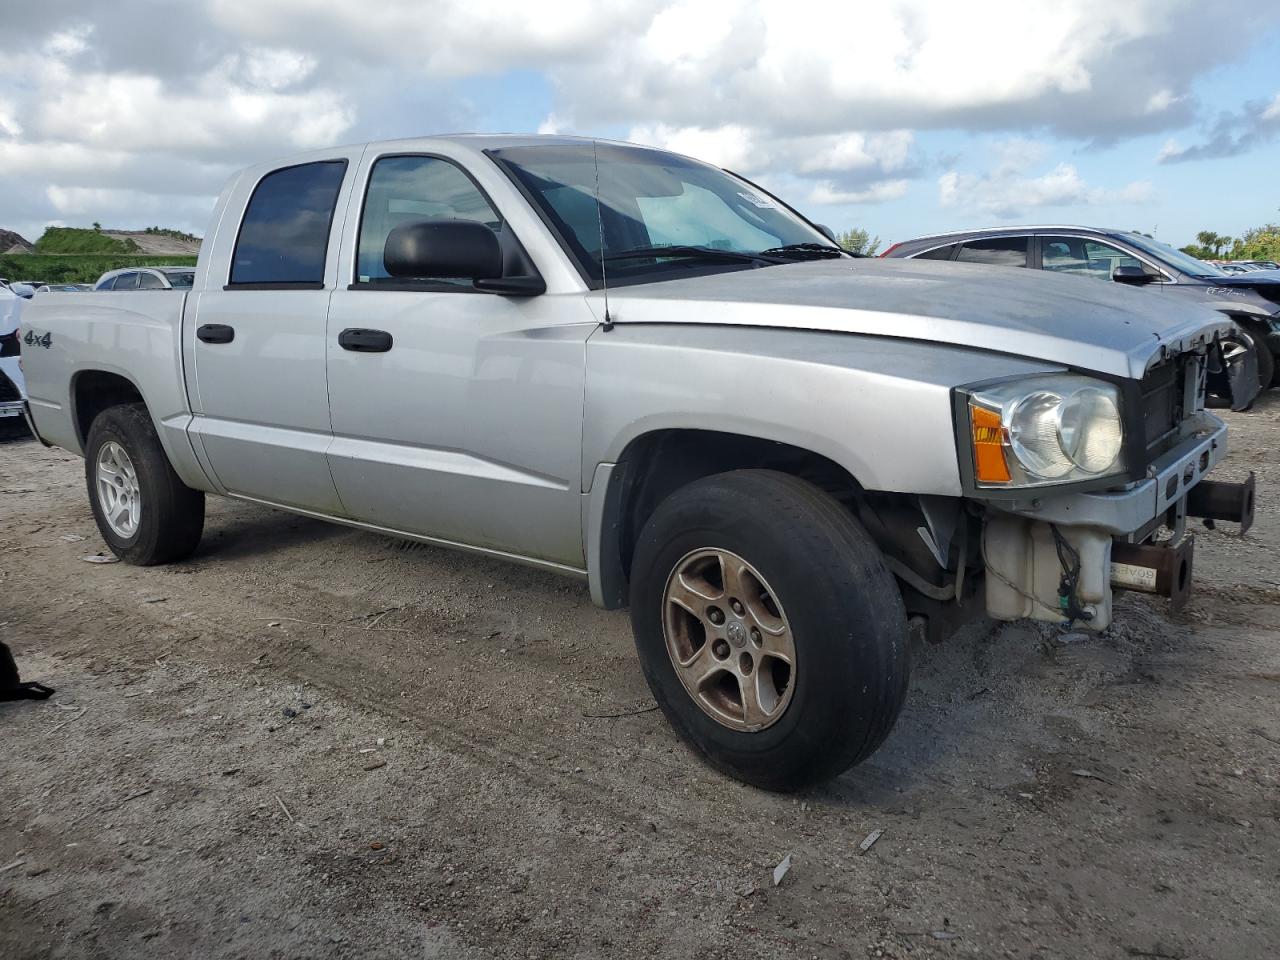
<point x="144" y="512"/>
<point x="769" y="629"/>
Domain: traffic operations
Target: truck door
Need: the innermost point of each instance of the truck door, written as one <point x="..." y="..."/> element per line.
<point x="456" y="414"/>
<point x="256" y="339"/>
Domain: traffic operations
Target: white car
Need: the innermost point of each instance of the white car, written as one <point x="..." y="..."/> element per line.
<point x="13" y="389"/>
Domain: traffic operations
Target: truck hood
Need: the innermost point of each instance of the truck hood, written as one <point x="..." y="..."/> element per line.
<point x="1074" y="321"/>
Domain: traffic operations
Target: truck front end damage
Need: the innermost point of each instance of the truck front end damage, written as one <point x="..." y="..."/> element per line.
<point x="1084" y="487"/>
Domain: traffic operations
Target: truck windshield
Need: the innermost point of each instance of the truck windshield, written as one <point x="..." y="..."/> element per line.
<point x="1182" y="262"/>
<point x="659" y="216"/>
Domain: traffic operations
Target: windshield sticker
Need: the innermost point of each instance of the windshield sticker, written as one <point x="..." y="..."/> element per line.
<point x="764" y="203"/>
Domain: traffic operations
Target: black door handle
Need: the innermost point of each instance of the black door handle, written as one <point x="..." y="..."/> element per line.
<point x="364" y="341"/>
<point x="216" y="333"/>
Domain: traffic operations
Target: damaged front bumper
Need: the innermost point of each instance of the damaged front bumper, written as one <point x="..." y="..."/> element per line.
<point x="1059" y="559"/>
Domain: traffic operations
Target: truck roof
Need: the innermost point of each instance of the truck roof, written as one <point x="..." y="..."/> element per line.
<point x="476" y="142"/>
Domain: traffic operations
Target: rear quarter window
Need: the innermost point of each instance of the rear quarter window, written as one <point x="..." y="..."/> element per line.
<point x="284" y="236"/>
<point x="940" y="253"/>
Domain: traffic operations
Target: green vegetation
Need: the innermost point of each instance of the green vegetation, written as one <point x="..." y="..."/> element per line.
<point x="858" y="241"/>
<point x="78" y="268"/>
<point x="1260" y="243"/>
<point x="172" y="234"/>
<point x="76" y="240"/>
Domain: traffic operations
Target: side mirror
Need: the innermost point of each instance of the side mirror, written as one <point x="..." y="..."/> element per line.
<point x="1131" y="274"/>
<point x="457" y="249"/>
<point x="827" y="232"/>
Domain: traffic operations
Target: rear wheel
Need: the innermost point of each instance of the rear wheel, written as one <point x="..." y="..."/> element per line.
<point x="144" y="512"/>
<point x="769" y="629"/>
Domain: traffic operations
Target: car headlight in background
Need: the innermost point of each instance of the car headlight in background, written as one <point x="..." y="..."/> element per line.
<point x="1050" y="429"/>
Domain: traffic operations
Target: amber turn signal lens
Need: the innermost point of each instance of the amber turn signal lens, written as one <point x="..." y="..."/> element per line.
<point x="988" y="446"/>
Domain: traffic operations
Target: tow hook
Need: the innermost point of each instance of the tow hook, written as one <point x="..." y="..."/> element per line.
<point x="1162" y="569"/>
<point x="1222" y="500"/>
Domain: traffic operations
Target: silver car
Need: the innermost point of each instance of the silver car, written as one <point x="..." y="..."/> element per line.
<point x="637" y="369"/>
<point x="147" y="278"/>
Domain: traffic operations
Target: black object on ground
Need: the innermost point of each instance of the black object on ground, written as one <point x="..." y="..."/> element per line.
<point x="11" y="685"/>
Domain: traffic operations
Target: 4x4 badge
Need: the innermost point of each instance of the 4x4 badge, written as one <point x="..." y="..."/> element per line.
<point x="31" y="340"/>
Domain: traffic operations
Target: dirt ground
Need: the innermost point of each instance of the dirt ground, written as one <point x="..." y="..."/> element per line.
<point x="313" y="742"/>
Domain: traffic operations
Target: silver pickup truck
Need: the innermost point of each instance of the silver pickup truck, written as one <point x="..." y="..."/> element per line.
<point x="631" y="367"/>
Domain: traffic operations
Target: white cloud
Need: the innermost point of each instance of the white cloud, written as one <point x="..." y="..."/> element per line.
<point x="553" y="123"/>
<point x="9" y="125"/>
<point x="1170" y="149"/>
<point x="218" y="114"/>
<point x="1161" y="100"/>
<point x="732" y="146"/>
<point x="68" y="43"/>
<point x="275" y="68"/>
<point x="85" y="204"/>
<point x="1010" y="189"/>
<point x="829" y="96"/>
<point x="859" y="151"/>
<point x="880" y="192"/>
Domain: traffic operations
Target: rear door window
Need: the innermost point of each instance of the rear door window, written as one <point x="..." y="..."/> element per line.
<point x="126" y="281"/>
<point x="1001" y="251"/>
<point x="149" y="281"/>
<point x="284" y="236"/>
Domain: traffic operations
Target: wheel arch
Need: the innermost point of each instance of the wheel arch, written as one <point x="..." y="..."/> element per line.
<point x="656" y="463"/>
<point x="94" y="390"/>
<point x="1256" y="323"/>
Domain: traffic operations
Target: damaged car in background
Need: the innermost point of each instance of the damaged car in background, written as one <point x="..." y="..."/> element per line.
<point x="12" y="386"/>
<point x="1251" y="300"/>
<point x="625" y="365"/>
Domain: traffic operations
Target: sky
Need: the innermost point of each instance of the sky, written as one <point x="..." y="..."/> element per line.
<point x="902" y="117"/>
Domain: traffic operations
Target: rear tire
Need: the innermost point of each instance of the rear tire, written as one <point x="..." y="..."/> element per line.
<point x="144" y="512"/>
<point x="808" y="571"/>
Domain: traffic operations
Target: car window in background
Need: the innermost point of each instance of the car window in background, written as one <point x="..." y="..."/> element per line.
<point x="180" y="279"/>
<point x="149" y="281"/>
<point x="405" y="189"/>
<point x="284" y="236"/>
<point x="942" y="253"/>
<point x="1086" y="257"/>
<point x="1163" y="253"/>
<point x="126" y="281"/>
<point x="109" y="284"/>
<point x="1001" y="251"/>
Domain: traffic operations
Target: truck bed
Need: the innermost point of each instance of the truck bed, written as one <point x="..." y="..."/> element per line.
<point x="133" y="335"/>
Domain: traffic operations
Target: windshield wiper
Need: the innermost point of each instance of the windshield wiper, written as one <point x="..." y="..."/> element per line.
<point x="805" y="251"/>
<point x="690" y="253"/>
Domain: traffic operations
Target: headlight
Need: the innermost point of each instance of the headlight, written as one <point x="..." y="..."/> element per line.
<point x="1052" y="429"/>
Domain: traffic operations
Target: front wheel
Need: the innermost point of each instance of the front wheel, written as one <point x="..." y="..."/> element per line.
<point x="145" y="513"/>
<point x="769" y="629"/>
